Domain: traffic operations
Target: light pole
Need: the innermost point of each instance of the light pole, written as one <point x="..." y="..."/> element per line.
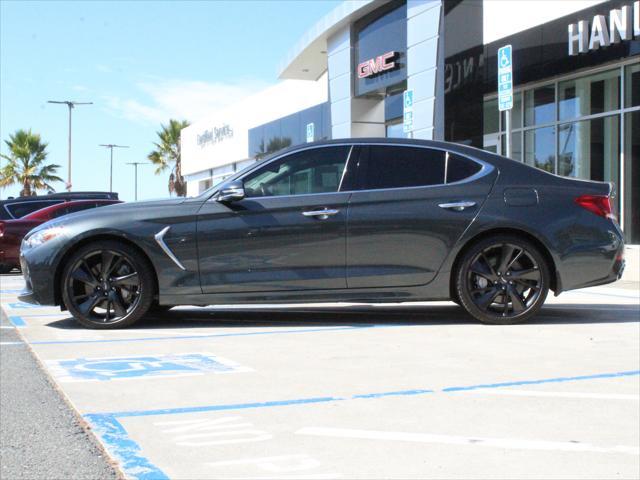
<point x="71" y="104"/>
<point x="135" y="166"/>
<point x="111" y="146"/>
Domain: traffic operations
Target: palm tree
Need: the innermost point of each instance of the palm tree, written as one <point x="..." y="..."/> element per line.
<point x="167" y="155"/>
<point x="26" y="167"/>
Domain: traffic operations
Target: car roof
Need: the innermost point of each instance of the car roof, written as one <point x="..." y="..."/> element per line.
<point x="64" y="195"/>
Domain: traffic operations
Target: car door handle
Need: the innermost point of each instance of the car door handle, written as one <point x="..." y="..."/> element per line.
<point x="320" y="214"/>
<point x="457" y="206"/>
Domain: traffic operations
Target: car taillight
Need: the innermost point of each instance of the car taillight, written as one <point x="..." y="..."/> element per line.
<point x="598" y="204"/>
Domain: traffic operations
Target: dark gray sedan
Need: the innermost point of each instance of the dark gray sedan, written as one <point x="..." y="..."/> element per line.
<point x="366" y="220"/>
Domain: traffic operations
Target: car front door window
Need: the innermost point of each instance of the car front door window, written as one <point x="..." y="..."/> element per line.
<point x="318" y="170"/>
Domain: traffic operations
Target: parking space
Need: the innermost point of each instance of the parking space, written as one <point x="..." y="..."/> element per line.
<point x="355" y="391"/>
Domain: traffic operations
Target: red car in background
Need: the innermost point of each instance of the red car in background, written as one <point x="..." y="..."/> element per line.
<point x="13" y="231"/>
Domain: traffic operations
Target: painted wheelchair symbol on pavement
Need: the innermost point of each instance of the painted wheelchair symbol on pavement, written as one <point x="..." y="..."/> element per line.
<point x="120" y="368"/>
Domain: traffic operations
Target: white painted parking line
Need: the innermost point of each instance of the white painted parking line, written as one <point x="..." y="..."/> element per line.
<point x="507" y="443"/>
<point x="11" y="343"/>
<point x="537" y="393"/>
<point x="7" y="326"/>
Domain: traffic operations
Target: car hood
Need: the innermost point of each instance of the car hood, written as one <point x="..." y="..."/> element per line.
<point x="115" y="211"/>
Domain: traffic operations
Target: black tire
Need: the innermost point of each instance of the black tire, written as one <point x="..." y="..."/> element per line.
<point x="502" y="280"/>
<point x="107" y="275"/>
<point x="5" y="269"/>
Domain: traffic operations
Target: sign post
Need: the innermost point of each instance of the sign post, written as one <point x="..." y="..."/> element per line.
<point x="505" y="91"/>
<point x="407" y="111"/>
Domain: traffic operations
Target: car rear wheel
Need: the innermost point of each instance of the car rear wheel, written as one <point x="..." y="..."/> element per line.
<point x="107" y="284"/>
<point x="502" y="280"/>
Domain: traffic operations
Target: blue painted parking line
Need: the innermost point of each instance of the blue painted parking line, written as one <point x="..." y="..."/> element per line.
<point x="119" y="368"/>
<point x="216" y="335"/>
<point x="544" y="380"/>
<point x="281" y="403"/>
<point x="17" y="321"/>
<point x="125" y="450"/>
<point x="116" y="439"/>
<point x="22" y="305"/>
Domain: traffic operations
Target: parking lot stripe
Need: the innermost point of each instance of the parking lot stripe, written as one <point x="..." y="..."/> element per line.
<point x="507" y="443"/>
<point x="390" y="394"/>
<point x="17" y="321"/>
<point x="312" y="400"/>
<point x="233" y="406"/>
<point x="544" y="380"/>
<point x="538" y="393"/>
<point x="125" y="450"/>
<point x="214" y="335"/>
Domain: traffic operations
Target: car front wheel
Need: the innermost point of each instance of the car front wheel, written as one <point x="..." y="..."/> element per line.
<point x="502" y="280"/>
<point x="107" y="284"/>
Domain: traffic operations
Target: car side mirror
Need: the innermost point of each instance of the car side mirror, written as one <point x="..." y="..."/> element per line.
<point x="231" y="192"/>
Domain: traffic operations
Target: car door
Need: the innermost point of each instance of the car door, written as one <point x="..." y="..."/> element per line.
<point x="411" y="205"/>
<point x="287" y="233"/>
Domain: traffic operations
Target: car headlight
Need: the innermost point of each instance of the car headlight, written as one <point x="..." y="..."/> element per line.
<point x="41" y="237"/>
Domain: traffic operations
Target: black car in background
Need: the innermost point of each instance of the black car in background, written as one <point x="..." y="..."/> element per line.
<point x="357" y="220"/>
<point x="18" y="207"/>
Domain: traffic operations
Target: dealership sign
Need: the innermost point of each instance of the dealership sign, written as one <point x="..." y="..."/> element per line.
<point x="215" y="135"/>
<point x="378" y="65"/>
<point x="623" y="24"/>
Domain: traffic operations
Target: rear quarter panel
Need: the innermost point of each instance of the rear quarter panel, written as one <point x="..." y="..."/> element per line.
<point x="583" y="246"/>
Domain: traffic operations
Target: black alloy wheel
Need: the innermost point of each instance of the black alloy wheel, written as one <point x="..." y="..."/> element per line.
<point x="502" y="280"/>
<point x="107" y="285"/>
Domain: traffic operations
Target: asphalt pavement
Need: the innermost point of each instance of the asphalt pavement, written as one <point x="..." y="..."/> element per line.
<point x="41" y="436"/>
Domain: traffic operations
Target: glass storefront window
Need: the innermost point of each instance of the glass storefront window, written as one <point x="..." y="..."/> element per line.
<point x="540" y="148"/>
<point x="589" y="95"/>
<point x="516" y="147"/>
<point x="632" y="177"/>
<point x="632" y="85"/>
<point x="540" y="105"/>
<point x="490" y="116"/>
<point x="590" y="149"/>
<point x="396" y="130"/>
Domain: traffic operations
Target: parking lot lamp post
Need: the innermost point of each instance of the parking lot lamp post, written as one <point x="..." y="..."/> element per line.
<point x="111" y="146"/>
<point x="135" y="166"/>
<point x="71" y="104"/>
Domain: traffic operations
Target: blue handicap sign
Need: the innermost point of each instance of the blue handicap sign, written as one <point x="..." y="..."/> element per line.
<point x="408" y="99"/>
<point x="505" y="78"/>
<point x="504" y="57"/>
<point x="142" y="366"/>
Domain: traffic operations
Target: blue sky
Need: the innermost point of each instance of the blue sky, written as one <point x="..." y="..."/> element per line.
<point x="141" y="63"/>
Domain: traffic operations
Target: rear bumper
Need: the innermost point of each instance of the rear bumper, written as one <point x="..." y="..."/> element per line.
<point x="594" y="265"/>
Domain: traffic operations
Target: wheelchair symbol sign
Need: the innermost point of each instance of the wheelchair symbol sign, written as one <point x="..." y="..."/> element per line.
<point x="120" y="368"/>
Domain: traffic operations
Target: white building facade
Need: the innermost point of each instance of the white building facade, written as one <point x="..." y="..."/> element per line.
<point x="576" y="77"/>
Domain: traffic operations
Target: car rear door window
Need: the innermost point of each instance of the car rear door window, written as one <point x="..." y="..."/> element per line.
<point x="459" y="168"/>
<point x="20" y="209"/>
<point x="317" y="170"/>
<point x="394" y="166"/>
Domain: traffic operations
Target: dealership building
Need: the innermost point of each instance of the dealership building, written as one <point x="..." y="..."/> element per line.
<point x="576" y="89"/>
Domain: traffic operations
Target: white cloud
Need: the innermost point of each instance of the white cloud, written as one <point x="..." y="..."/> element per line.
<point x="180" y="99"/>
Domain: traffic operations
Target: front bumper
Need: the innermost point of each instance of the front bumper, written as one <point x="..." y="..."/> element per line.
<point x="38" y="267"/>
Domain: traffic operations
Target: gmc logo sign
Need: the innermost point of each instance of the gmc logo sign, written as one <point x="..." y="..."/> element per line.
<point x="375" y="66"/>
